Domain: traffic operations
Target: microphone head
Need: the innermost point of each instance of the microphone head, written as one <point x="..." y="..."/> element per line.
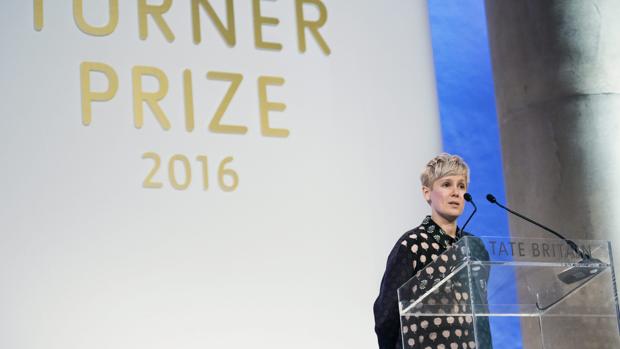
<point x="491" y="198"/>
<point x="467" y="197"/>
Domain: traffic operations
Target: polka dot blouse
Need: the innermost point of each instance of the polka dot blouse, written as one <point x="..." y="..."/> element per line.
<point x="411" y="254"/>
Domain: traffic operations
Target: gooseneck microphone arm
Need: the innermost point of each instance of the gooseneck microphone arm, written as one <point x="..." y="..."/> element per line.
<point x="493" y="200"/>
<point x="468" y="198"/>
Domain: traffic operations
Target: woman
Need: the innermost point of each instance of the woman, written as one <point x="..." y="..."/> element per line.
<point x="444" y="183"/>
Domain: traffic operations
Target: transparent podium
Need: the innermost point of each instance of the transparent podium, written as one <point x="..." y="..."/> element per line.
<point x="513" y="293"/>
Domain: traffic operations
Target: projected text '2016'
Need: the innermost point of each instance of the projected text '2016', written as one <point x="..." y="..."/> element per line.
<point x="227" y="177"/>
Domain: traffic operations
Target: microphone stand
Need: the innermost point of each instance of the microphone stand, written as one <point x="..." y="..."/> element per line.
<point x="570" y="275"/>
<point x="469" y="199"/>
<point x="570" y="243"/>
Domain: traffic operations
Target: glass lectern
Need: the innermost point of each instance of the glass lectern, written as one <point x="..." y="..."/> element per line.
<point x="547" y="292"/>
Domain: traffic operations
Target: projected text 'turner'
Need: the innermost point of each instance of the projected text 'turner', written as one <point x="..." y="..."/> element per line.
<point x="227" y="31"/>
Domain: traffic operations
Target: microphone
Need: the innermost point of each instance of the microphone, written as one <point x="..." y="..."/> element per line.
<point x="469" y="199"/>
<point x="570" y="275"/>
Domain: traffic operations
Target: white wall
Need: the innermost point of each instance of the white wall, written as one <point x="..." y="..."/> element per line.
<point x="89" y="258"/>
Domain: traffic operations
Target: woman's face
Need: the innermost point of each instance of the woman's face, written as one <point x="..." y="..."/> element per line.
<point x="446" y="196"/>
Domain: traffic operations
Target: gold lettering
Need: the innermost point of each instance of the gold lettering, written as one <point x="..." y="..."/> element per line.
<point x="215" y="125"/>
<point x="205" y="171"/>
<point x="151" y="98"/>
<point x="259" y="21"/>
<point x="38" y="15"/>
<point x="265" y="106"/>
<point x="187" y="169"/>
<point x="313" y="26"/>
<point x="87" y="95"/>
<point x="227" y="33"/>
<point x="188" y="100"/>
<point x="148" y="181"/>
<point x="155" y="11"/>
<point x="223" y="172"/>
<point x="78" y="15"/>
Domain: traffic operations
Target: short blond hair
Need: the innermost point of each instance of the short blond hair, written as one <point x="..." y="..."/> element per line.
<point x="443" y="165"/>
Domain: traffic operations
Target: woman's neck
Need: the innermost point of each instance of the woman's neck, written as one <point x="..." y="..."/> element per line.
<point x="448" y="226"/>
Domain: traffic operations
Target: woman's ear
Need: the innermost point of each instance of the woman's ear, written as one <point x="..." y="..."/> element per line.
<point x="426" y="191"/>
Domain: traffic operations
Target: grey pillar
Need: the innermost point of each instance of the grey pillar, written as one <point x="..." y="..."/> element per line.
<point x="556" y="67"/>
